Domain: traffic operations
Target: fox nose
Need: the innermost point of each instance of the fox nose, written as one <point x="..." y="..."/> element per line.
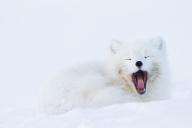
<point x="139" y="64"/>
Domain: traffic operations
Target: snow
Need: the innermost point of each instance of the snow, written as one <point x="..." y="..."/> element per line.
<point x="40" y="37"/>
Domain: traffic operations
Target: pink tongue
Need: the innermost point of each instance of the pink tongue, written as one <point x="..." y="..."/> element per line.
<point x="140" y="83"/>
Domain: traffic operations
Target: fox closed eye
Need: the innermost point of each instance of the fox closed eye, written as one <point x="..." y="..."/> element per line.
<point x="128" y="59"/>
<point x="146" y="57"/>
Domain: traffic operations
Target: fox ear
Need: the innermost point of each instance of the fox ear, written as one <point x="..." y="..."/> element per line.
<point x="158" y="43"/>
<point x="115" y="46"/>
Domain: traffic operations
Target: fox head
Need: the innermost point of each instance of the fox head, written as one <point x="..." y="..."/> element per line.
<point x="138" y="63"/>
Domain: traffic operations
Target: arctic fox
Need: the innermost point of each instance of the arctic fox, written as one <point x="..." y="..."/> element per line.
<point x="135" y="71"/>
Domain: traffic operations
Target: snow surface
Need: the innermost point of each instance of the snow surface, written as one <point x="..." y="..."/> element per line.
<point x="40" y="37"/>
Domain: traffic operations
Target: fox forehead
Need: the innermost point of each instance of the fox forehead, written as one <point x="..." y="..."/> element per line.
<point x="137" y="51"/>
<point x="138" y="48"/>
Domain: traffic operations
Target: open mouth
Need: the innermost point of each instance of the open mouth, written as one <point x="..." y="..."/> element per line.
<point x="140" y="80"/>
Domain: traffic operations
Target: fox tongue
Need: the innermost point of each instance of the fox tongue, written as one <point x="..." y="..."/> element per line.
<point x="140" y="84"/>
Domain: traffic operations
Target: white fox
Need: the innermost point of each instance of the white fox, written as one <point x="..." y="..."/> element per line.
<point x="135" y="71"/>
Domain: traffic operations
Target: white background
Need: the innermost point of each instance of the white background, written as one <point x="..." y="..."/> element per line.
<point x="39" y="37"/>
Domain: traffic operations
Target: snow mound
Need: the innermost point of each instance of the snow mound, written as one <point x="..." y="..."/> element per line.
<point x="175" y="113"/>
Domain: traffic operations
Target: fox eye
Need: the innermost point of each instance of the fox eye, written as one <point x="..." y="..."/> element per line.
<point x="146" y="57"/>
<point x="128" y="59"/>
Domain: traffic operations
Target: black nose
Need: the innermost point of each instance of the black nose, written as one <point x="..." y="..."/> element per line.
<point x="138" y="64"/>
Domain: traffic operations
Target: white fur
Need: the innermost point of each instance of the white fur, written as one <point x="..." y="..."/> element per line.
<point x="95" y="85"/>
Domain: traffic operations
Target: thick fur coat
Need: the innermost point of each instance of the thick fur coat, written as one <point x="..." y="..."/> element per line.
<point x="135" y="71"/>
